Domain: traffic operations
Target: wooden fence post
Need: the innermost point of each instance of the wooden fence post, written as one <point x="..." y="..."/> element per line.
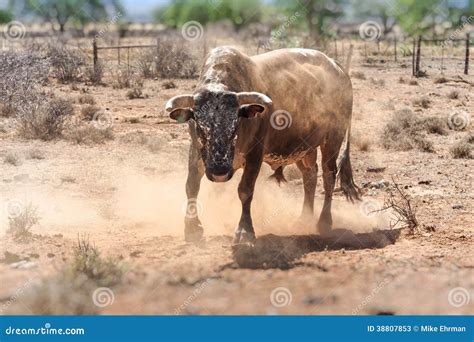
<point x="395" y="47"/>
<point x="94" y="53"/>
<point x="418" y="57"/>
<point x="413" y="58"/>
<point x="466" y="61"/>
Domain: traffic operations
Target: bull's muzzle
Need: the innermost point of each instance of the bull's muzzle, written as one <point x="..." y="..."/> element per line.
<point x="219" y="174"/>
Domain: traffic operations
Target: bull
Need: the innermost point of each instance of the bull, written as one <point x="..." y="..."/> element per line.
<point x="278" y="108"/>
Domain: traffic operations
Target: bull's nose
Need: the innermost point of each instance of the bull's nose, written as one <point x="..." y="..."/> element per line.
<point x="220" y="178"/>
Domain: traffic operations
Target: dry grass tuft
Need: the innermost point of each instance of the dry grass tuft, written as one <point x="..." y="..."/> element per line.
<point x="21" y="222"/>
<point x="86" y="99"/>
<point x="89" y="134"/>
<point x="12" y="158"/>
<point x="89" y="112"/>
<point x="413" y="82"/>
<point x="405" y="131"/>
<point x="36" y="153"/>
<point x="463" y="149"/>
<point x="423" y="102"/>
<point x="358" y="74"/>
<point x="453" y="94"/>
<point x="440" y="80"/>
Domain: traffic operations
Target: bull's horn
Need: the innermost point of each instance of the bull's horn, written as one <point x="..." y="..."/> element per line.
<point x="253" y="97"/>
<point x="179" y="101"/>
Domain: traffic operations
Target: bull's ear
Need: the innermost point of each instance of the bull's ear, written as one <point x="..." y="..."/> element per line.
<point x="182" y="114"/>
<point x="250" y="110"/>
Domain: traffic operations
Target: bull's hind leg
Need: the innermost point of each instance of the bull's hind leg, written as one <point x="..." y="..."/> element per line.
<point x="329" y="153"/>
<point x="193" y="229"/>
<point x="245" y="232"/>
<point x="309" y="170"/>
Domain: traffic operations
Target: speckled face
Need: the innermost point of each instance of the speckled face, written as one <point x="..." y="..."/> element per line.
<point x="216" y="116"/>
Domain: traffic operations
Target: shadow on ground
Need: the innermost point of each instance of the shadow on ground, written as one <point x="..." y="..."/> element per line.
<point x="272" y="251"/>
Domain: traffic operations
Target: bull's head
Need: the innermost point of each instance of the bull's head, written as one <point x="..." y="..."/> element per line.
<point x="217" y="115"/>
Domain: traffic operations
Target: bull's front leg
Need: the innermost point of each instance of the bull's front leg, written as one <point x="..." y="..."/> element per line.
<point x="253" y="161"/>
<point x="193" y="230"/>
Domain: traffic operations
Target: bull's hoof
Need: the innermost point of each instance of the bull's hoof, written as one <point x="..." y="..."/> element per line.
<point x="193" y="234"/>
<point x="244" y="237"/>
<point x="324" y="227"/>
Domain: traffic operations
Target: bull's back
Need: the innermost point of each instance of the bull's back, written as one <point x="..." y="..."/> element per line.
<point x="311" y="90"/>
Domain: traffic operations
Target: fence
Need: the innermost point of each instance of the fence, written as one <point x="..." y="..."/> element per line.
<point x="387" y="48"/>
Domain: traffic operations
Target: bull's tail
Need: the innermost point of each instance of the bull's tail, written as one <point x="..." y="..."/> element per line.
<point x="348" y="186"/>
<point x="279" y="176"/>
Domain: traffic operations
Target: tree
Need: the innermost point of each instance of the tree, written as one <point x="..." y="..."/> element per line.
<point x="5" y="16"/>
<point x="75" y="11"/>
<point x="418" y="17"/>
<point x="240" y="13"/>
<point x="318" y="14"/>
<point x="380" y="10"/>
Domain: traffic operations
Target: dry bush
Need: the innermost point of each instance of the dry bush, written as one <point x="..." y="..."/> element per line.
<point x="123" y="77"/>
<point x="402" y="80"/>
<point x="20" y="224"/>
<point x="94" y="74"/>
<point x="21" y="74"/>
<point x="70" y="291"/>
<point x="433" y="125"/>
<point x="453" y="94"/>
<point x="59" y="295"/>
<point x="423" y="102"/>
<point x="12" y="158"/>
<point x="463" y="149"/>
<point x="43" y="118"/>
<point x="89" y="112"/>
<point x="358" y="74"/>
<point x="89" y="134"/>
<point x="86" y="99"/>
<point x="175" y="60"/>
<point x="404" y="131"/>
<point x="88" y="261"/>
<point x="399" y="204"/>
<point x="66" y="62"/>
<point x="146" y="63"/>
<point x="413" y="82"/>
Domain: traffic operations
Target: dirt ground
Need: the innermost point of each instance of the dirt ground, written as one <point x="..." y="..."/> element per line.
<point x="128" y="195"/>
